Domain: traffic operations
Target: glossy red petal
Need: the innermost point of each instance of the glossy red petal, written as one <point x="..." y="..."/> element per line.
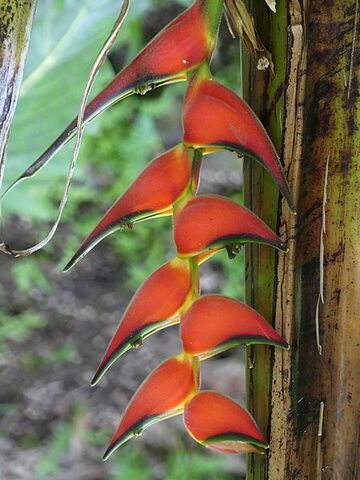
<point x="219" y="423"/>
<point x="154" y="306"/>
<point x="210" y="221"/>
<point x="162" y="182"/>
<point x="162" y="395"/>
<point x="182" y="45"/>
<point x="214" y="116"/>
<point x="215" y="323"/>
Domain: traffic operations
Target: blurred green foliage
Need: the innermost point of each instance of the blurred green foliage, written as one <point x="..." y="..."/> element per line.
<point x="49" y="465"/>
<point x="32" y="360"/>
<point x="27" y="274"/>
<point x="17" y="327"/>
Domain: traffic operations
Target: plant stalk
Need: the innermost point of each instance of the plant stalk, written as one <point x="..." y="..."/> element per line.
<point x="311" y="109"/>
<point x="16" y="20"/>
<point x="264" y="92"/>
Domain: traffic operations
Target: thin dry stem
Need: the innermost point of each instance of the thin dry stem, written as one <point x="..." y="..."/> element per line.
<point x="323" y="232"/>
<point x="243" y="23"/>
<point x="351" y="69"/>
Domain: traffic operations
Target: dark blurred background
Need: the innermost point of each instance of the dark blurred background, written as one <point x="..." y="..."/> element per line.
<point x="54" y="327"/>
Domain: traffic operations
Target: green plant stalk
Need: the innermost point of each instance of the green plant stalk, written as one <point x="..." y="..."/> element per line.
<point x="213" y="12"/>
<point x="16" y="19"/>
<point x="186" y="197"/>
<point x="264" y="92"/>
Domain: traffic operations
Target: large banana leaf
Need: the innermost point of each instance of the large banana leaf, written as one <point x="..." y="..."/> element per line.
<point x="66" y="38"/>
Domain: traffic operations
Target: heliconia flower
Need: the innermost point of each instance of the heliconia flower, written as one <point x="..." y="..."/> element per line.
<point x="155" y="306"/>
<point x="217" y="422"/>
<point x="215" y="118"/>
<point x="180" y="47"/>
<point x="216" y="323"/>
<point x="162" y="395"/>
<point x="152" y="194"/>
<point x="208" y="222"/>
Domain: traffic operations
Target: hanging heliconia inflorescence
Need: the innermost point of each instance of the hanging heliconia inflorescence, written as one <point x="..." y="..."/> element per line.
<point x="214" y="118"/>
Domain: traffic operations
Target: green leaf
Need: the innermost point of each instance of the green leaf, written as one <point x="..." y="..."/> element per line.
<point x="66" y="38"/>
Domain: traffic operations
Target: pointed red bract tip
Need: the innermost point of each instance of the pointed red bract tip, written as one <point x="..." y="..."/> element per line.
<point x="210" y="221"/>
<point x="182" y="45"/>
<point x="214" y="116"/>
<point x="221" y="424"/>
<point x="162" y="395"/>
<point x="215" y="323"/>
<point x="153" y="193"/>
<point x="154" y="306"/>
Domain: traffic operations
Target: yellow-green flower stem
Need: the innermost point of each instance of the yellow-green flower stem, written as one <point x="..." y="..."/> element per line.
<point x="213" y="11"/>
<point x="194" y="264"/>
<point x="201" y="73"/>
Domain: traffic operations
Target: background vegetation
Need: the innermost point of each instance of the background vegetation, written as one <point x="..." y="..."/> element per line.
<point x="54" y="327"/>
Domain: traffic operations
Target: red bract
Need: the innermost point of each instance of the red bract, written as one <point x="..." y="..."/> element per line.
<point x="162" y="395"/>
<point x="214" y="117"/>
<point x="215" y="323"/>
<point x="209" y="222"/>
<point x="152" y="194"/>
<point x="181" y="46"/>
<point x="221" y="424"/>
<point x="154" y="306"/>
